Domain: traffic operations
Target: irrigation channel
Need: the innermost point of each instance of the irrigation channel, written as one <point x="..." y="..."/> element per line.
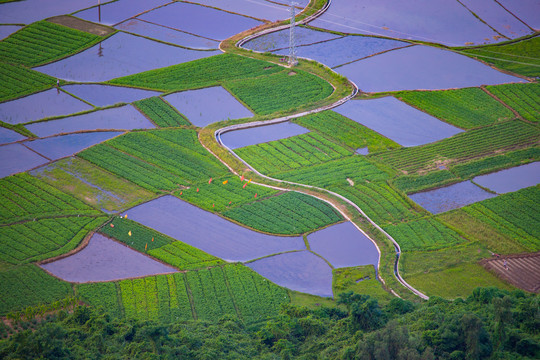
<point x="219" y="132"/>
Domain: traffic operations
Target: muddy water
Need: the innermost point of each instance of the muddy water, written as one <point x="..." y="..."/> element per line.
<point x="209" y="105"/>
<point x="118" y="11"/>
<point x="104" y="95"/>
<point x="251" y="136"/>
<point x="421" y="67"/>
<point x="208" y="231"/>
<point x="105" y="260"/>
<point x="259" y="9"/>
<point x="17" y="158"/>
<point x="450" y="197"/>
<point x="344" y="246"/>
<point x="512" y="179"/>
<point x="120" y="55"/>
<point x="7" y="136"/>
<point x="119" y="118"/>
<point x="398" y="121"/>
<point x="301" y="271"/>
<point x="62" y="146"/>
<point x="280" y="39"/>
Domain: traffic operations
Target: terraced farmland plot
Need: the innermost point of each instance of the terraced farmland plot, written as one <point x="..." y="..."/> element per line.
<point x="423" y="234"/>
<point x="415" y="183"/>
<point x="462" y="147"/>
<point x="184" y="256"/>
<point x="379" y="201"/>
<point x="161" y="113"/>
<point x="101" y="295"/>
<point x="465" y="108"/>
<point x="524" y="98"/>
<point x="514" y="214"/>
<point x="291" y="153"/>
<point x="201" y="73"/>
<point x="289" y="213"/>
<point x="43" y="42"/>
<point x="19" y="81"/>
<point x="25" y="198"/>
<point x="38" y="240"/>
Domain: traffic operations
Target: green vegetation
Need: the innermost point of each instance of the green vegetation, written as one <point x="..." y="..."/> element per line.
<point x="288" y="213"/>
<point x="28" y="285"/>
<point x="465" y="108"/>
<point x="27" y="198"/>
<point x="345" y="131"/>
<point x="101" y="295"/>
<point x="42" y="239"/>
<point x="184" y="256"/>
<point x="160" y="112"/>
<point x="291" y="153"/>
<point x="415" y="183"/>
<point x="141" y="238"/>
<point x="43" y="42"/>
<point x="360" y="280"/>
<point x="521" y="57"/>
<point x="201" y="73"/>
<point x="285" y="90"/>
<point x="18" y="81"/>
<point x="523" y="98"/>
<point x="461" y="147"/>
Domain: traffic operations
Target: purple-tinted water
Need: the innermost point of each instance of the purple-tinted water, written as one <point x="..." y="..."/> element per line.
<point x="62" y="146"/>
<point x="512" y="179"/>
<point x="105" y="260"/>
<point x="497" y="17"/>
<point x="300" y="271"/>
<point x="208" y="105"/>
<point x="120" y="118"/>
<point x="362" y="151"/>
<point x="120" y="55"/>
<point x="421" y="67"/>
<point x="28" y="11"/>
<point x="166" y="34"/>
<point x="280" y="39"/>
<point x="17" y="158"/>
<point x="299" y="3"/>
<point x="259" y="9"/>
<point x="41" y="105"/>
<point x="105" y="95"/>
<point x="119" y="11"/>
<point x="209" y="232"/>
<point x="446" y="22"/>
<point x="340" y="51"/>
<point x="526" y="10"/>
<point x="251" y="136"/>
<point x="6" y="30"/>
<point x="8" y="136"/>
<point x="397" y="121"/>
<point x="200" y="20"/>
<point x="450" y="197"/>
<point x="343" y="245"/>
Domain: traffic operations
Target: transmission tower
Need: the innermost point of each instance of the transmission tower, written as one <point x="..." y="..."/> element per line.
<point x="292" y="41"/>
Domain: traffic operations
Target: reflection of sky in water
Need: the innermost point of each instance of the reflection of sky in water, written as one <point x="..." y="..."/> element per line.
<point x="168" y="35"/>
<point x="61" y="146"/>
<point x="421" y="68"/>
<point x="200" y="20"/>
<point x="300" y="271"/>
<point x="104" y="95"/>
<point x="119" y="11"/>
<point x="104" y="260"/>
<point x="300" y="3"/>
<point x="208" y="105"/>
<point x="527" y="10"/>
<point x="17" y="158"/>
<point x="251" y="136"/>
<point x="259" y="9"/>
<point x="512" y="179"/>
<point x="120" y="55"/>
<point x="41" y="105"/>
<point x="209" y="232"/>
<point x="7" y="136"/>
<point x="120" y="118"/>
<point x="6" y="30"/>
<point x="396" y="120"/>
<point x="343" y="245"/>
<point x="450" y="197"/>
<point x="280" y="39"/>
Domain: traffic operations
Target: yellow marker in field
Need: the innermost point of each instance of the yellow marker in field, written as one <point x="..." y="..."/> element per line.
<point x="226" y="181"/>
<point x="129" y="233"/>
<point x="145" y="246"/>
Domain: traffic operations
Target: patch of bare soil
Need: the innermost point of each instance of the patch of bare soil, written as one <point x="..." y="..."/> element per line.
<point x="82" y="25"/>
<point x="520" y="270"/>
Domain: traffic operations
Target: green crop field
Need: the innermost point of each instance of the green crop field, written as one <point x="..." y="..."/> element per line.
<point x="43" y="42"/>
<point x="415" y="183"/>
<point x="160" y="112"/>
<point x="464" y="108"/>
<point x="18" y="81"/>
<point x="288" y="213"/>
<point x="184" y="256"/>
<point x="524" y="98"/>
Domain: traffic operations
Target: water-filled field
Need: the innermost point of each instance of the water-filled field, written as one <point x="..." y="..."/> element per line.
<point x="259" y="9"/>
<point x="512" y="179"/>
<point x="6" y="30"/>
<point x="251" y="136"/>
<point x="526" y="10"/>
<point x="17" y="158"/>
<point x="280" y="39"/>
<point x="105" y="95"/>
<point x="118" y="11"/>
<point x="7" y="136"/>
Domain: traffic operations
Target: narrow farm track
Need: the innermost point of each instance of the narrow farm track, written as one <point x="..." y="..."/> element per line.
<point x="219" y="132"/>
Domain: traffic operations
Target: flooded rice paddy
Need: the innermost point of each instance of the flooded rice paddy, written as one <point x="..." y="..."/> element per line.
<point x="17" y="158"/>
<point x="251" y="136"/>
<point x="105" y="95"/>
<point x="259" y="9"/>
<point x="8" y="136"/>
<point x="450" y="197"/>
<point x="209" y="232"/>
<point x="118" y="11"/>
<point x="205" y="106"/>
<point x="119" y="118"/>
<point x="6" y="30"/>
<point x="300" y="271"/>
<point x="104" y="260"/>
<point x="526" y="10"/>
<point x="512" y="179"/>
<point x="397" y="121"/>
<point x="280" y="39"/>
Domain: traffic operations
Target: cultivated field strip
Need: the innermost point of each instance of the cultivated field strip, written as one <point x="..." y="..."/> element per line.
<point x="18" y="81"/>
<point x="161" y="113"/>
<point x="523" y="98"/>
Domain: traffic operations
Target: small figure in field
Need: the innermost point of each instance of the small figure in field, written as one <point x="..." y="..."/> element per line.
<point x="505" y="264"/>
